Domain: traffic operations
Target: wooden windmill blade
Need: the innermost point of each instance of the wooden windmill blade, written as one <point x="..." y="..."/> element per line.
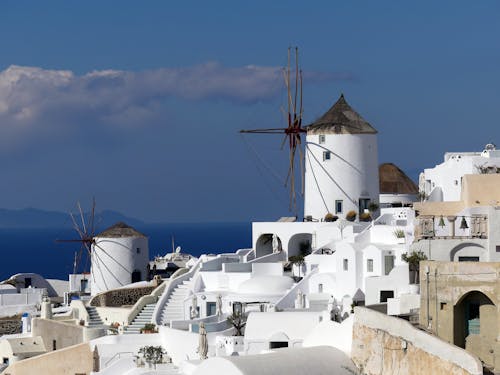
<point x="265" y="131"/>
<point x="85" y="232"/>
<point x="91" y="218"/>
<point x="294" y="125"/>
<point x="81" y="217"/>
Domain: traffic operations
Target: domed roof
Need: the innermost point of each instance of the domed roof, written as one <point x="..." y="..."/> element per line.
<point x="266" y="284"/>
<point x="120" y="230"/>
<point x="393" y="180"/>
<point x="341" y="119"/>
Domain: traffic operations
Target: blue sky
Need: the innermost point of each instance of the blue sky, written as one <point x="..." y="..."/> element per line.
<point x="139" y="103"/>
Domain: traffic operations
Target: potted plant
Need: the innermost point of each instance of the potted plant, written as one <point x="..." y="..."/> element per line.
<point x="238" y="320"/>
<point x="152" y="354"/>
<point x="351" y="215"/>
<point x="149" y="328"/>
<point x="113" y="328"/>
<point x="329" y="217"/>
<point x="372" y="207"/>
<point x="297" y="260"/>
<point x="365" y="216"/>
<point x="413" y="259"/>
<point x="400" y="235"/>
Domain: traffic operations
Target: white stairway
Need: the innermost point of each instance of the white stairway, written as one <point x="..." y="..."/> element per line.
<point x="94" y="318"/>
<point x="145" y="316"/>
<point x="174" y="308"/>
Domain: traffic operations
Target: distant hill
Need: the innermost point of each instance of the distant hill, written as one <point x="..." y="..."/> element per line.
<point x="36" y="218"/>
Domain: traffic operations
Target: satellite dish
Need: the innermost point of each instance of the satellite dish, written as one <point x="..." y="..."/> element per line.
<point x="178" y="250"/>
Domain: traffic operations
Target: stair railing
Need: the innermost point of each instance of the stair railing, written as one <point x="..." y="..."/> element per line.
<point x="160" y="305"/>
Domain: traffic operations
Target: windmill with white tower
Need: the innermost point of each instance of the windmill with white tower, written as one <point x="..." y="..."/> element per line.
<point x="341" y="164"/>
<point x="119" y="255"/>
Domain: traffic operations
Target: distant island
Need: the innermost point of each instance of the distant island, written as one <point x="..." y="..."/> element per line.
<point x="37" y="218"/>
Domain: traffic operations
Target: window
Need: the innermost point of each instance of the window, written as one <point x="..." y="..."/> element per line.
<point x="278" y="344"/>
<point x="338" y="206"/>
<point x="363" y="204"/>
<point x="54" y="345"/>
<point x="27" y="282"/>
<point x="237" y="308"/>
<point x="320" y="288"/>
<point x="497" y="249"/>
<point x="138" y="250"/>
<point x="369" y="265"/>
<point x="211" y="308"/>
<point x="83" y="285"/>
<point x="443" y="305"/>
<point x="5" y="360"/>
<point x="327" y="155"/>
<point x="389" y="263"/>
<point x="385" y="294"/>
<point x="468" y="259"/>
<point x="345" y="264"/>
<point x="321" y="139"/>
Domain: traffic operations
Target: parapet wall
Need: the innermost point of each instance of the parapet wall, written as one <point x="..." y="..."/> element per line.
<point x="120" y="297"/>
<point x="10" y="326"/>
<point x="387" y="345"/>
<point x="76" y="359"/>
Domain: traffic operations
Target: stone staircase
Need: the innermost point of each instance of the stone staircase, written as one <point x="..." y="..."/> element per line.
<point x="174" y="308"/>
<point x="144" y="316"/>
<point x="94" y="318"/>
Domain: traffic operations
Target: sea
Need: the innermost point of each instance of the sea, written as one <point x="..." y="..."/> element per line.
<point x="36" y="250"/>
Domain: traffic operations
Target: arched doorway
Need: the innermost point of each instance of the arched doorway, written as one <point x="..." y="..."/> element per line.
<point x="467" y="316"/>
<point x="264" y="245"/>
<point x="468" y="252"/>
<point x="300" y="243"/>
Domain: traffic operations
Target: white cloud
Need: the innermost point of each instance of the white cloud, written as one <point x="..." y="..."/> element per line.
<point x="36" y="101"/>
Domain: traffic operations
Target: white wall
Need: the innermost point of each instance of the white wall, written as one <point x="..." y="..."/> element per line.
<point x="114" y="260"/>
<point x="350" y="174"/>
<point x="293" y="327"/>
<point x="75" y="282"/>
<point x="397" y="281"/>
<point x="322" y="233"/>
<point x="448" y="175"/>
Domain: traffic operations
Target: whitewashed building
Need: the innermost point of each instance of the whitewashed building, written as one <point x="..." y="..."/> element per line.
<point x="120" y="256"/>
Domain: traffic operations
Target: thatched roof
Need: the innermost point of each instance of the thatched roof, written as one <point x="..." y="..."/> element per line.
<point x="394" y="181"/>
<point x="341" y="119"/>
<point x="119" y="230"/>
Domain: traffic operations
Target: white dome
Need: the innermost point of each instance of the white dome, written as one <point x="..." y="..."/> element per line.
<point x="270" y="284"/>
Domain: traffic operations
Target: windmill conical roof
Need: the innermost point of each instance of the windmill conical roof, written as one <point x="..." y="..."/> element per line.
<point x="394" y="181"/>
<point x="119" y="230"/>
<point x="341" y="119"/>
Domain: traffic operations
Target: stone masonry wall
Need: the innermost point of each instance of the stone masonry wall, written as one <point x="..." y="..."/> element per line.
<point x="384" y="345"/>
<point x="120" y="297"/>
<point x="8" y="327"/>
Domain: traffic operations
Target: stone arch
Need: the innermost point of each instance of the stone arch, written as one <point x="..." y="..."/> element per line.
<point x="467" y="249"/>
<point x="299" y="241"/>
<point x="467" y="315"/>
<point x="264" y="245"/>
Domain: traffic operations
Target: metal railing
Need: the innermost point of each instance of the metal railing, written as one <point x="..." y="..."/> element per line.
<point x="116" y="356"/>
